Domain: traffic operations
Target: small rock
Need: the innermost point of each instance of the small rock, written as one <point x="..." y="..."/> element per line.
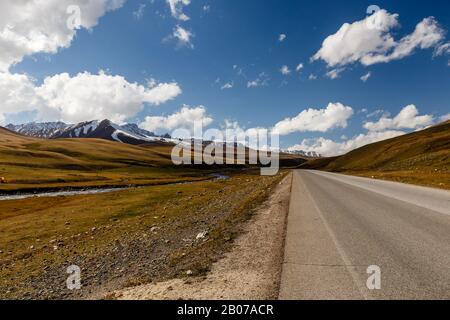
<point x="202" y="235"/>
<point x="154" y="229"/>
<point x="93" y="229"/>
<point x="31" y="247"/>
<point x="189" y="272"/>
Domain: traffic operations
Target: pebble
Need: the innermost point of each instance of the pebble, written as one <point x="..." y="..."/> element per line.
<point x="202" y="235"/>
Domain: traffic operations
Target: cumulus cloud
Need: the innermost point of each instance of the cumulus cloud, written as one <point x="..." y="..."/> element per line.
<point x="366" y="77"/>
<point x="285" y="70"/>
<point x="282" y="37"/>
<point x="183" y="119"/>
<point x="369" y="41"/>
<point x="17" y="94"/>
<point x="176" y="9"/>
<point x="335" y="115"/>
<point x="299" y="67"/>
<point x="82" y="97"/>
<point x="28" y="27"/>
<point x="183" y="37"/>
<point x="330" y="148"/>
<point x="312" y="77"/>
<point x="408" y="118"/>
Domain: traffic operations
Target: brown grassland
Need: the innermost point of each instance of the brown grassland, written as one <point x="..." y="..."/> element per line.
<point x="119" y="239"/>
<point x="421" y="158"/>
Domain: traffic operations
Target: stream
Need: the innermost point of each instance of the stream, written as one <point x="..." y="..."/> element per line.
<point x="20" y="196"/>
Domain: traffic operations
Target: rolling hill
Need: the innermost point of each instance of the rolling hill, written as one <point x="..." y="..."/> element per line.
<point x="29" y="163"/>
<point x="32" y="164"/>
<point x="421" y="157"/>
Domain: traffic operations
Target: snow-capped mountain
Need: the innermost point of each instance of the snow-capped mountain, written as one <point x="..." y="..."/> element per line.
<point x="44" y="130"/>
<point x="310" y="154"/>
<point x="128" y="133"/>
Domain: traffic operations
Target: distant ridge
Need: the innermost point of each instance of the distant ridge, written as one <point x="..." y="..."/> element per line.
<point x="105" y="129"/>
<point x="421" y="157"/>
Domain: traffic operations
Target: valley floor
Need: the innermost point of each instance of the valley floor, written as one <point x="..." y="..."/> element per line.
<point x="123" y="239"/>
<point x="250" y="271"/>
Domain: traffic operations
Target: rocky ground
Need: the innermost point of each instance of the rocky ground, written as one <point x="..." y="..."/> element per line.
<point x="250" y="271"/>
<point x="177" y="238"/>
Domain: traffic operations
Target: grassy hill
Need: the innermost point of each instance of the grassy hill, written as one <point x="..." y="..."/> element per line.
<point x="30" y="163"/>
<point x="421" y="158"/>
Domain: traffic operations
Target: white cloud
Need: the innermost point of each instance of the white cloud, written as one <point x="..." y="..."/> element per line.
<point x="335" y="115"/>
<point x="408" y="118"/>
<point x="335" y="73"/>
<point x="206" y="8"/>
<point x="299" y="67"/>
<point x="366" y="77"/>
<point x="183" y="119"/>
<point x="444" y="118"/>
<point x="285" y="70"/>
<point x="228" y="85"/>
<point x="176" y="9"/>
<point x="330" y="148"/>
<point x="369" y="41"/>
<point x="82" y="97"/>
<point x="183" y="36"/>
<point x="442" y="49"/>
<point x="261" y="81"/>
<point x="312" y="77"/>
<point x="17" y="94"/>
<point x="28" y="27"/>
<point x="282" y="37"/>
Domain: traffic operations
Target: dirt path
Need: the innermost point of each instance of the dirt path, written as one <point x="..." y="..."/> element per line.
<point x="250" y="271"/>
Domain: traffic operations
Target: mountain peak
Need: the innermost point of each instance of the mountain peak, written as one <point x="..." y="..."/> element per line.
<point x="129" y="133"/>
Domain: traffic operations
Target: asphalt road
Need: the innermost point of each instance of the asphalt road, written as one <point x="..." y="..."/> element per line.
<point x="339" y="226"/>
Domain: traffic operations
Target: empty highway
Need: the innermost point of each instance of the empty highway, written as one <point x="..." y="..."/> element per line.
<point x="339" y="225"/>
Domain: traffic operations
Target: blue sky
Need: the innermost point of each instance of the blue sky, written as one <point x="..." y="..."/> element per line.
<point x="235" y="42"/>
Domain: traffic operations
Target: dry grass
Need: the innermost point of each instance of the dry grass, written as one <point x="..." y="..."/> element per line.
<point x="421" y="158"/>
<point x="34" y="164"/>
<point x="31" y="228"/>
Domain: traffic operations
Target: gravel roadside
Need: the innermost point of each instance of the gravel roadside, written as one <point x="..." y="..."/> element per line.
<point x="250" y="271"/>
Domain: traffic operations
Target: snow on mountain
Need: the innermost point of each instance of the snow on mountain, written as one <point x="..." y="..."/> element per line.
<point x="310" y="154"/>
<point x="39" y="130"/>
<point x="128" y="133"/>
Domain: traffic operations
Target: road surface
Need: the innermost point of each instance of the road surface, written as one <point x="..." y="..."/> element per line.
<point x="339" y="225"/>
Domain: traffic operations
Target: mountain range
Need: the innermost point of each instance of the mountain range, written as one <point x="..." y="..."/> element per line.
<point x="128" y="133"/>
